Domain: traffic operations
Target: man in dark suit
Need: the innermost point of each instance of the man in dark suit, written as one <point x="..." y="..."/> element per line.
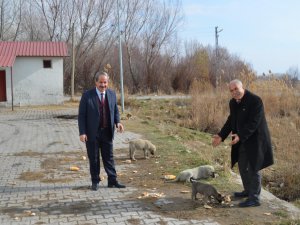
<point x="251" y="142"/>
<point x="97" y="119"/>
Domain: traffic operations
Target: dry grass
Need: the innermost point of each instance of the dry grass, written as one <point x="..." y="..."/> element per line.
<point x="54" y="167"/>
<point x="282" y="107"/>
<point x="31" y="176"/>
<point x="179" y="148"/>
<point x="207" y="111"/>
<point x="29" y="153"/>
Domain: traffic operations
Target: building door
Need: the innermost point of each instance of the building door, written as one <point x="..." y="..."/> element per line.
<point x="2" y="86"/>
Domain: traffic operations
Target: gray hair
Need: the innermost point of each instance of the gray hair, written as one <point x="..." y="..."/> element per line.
<point x="237" y="82"/>
<point x="100" y="73"/>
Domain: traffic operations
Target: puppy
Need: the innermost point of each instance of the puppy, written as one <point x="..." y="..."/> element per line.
<point x="201" y="172"/>
<point x="141" y="145"/>
<point x="206" y="190"/>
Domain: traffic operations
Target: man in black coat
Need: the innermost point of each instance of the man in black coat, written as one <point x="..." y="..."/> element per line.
<point x="98" y="116"/>
<point x="251" y="142"/>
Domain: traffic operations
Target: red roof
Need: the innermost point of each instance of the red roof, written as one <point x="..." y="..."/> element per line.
<point x="9" y="50"/>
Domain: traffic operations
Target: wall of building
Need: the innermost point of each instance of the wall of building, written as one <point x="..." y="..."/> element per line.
<point x="33" y="84"/>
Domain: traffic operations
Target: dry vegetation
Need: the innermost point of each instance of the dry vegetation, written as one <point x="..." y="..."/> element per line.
<point x="208" y="109"/>
<point x="282" y="108"/>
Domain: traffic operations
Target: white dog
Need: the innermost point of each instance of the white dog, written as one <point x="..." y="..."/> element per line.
<point x="201" y="172"/>
<point x="140" y="144"/>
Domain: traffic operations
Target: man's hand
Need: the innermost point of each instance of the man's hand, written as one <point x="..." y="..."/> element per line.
<point x="120" y="128"/>
<point x="235" y="139"/>
<point x="83" y="138"/>
<point x="216" y="140"/>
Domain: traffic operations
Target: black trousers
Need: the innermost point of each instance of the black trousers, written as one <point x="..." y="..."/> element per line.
<point x="251" y="179"/>
<point x="104" y="145"/>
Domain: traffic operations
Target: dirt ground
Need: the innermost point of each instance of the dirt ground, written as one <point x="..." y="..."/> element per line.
<point x="174" y="199"/>
<point x="169" y="199"/>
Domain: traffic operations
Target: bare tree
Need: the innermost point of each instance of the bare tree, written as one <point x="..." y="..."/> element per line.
<point x="136" y="15"/>
<point x="161" y="25"/>
<point x="50" y="13"/>
<point x="10" y="19"/>
<point x="149" y="28"/>
<point x="292" y="76"/>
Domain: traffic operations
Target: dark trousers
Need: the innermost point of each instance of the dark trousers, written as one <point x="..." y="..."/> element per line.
<point x="103" y="143"/>
<point x="251" y="179"/>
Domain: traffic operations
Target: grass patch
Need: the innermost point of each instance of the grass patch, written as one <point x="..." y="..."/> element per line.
<point x="281" y="214"/>
<point x="55" y="167"/>
<point x="297" y="203"/>
<point x="175" y="124"/>
<point x="290" y="222"/>
<point x="28" y="153"/>
<point x="31" y="176"/>
<point x="179" y="148"/>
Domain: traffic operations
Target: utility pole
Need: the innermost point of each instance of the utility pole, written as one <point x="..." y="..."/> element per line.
<point x="217" y="37"/>
<point x="217" y="54"/>
<point x="73" y="65"/>
<point x="120" y="59"/>
<point x="1" y="20"/>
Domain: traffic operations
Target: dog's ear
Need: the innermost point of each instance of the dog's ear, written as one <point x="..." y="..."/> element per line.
<point x="220" y="198"/>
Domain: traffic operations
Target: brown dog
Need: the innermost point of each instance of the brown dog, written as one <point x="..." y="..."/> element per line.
<point x="141" y="145"/>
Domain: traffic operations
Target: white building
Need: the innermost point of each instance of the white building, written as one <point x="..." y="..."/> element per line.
<point x="31" y="73"/>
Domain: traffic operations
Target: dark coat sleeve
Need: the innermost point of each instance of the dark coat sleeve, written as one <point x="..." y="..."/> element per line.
<point x="88" y="115"/>
<point x="226" y="129"/>
<point x="116" y="113"/>
<point x="82" y="113"/>
<point x="113" y="108"/>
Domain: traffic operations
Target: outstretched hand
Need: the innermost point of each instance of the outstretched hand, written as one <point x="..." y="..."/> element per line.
<point x="216" y="140"/>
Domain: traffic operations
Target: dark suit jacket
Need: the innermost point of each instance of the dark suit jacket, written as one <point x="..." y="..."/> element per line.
<point x="247" y="119"/>
<point x="89" y="115"/>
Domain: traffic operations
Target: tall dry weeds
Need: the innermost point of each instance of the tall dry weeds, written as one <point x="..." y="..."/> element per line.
<point x="208" y="107"/>
<point x="209" y="110"/>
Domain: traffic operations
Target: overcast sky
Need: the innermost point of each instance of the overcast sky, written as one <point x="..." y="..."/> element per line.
<point x="264" y="33"/>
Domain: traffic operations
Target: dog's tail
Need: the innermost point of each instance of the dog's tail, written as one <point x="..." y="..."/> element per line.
<point x="192" y="180"/>
<point x="127" y="140"/>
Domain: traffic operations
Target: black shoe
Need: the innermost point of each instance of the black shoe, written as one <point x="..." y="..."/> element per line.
<point x="95" y="186"/>
<point x="116" y="185"/>
<point x="249" y="203"/>
<point x="242" y="194"/>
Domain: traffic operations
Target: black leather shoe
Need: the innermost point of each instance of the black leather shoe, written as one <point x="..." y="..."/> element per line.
<point x="242" y="194"/>
<point x="116" y="185"/>
<point x="95" y="186"/>
<point x="249" y="203"/>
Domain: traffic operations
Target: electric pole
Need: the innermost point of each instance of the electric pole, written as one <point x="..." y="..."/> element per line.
<point x="217" y="37"/>
<point x="73" y="65"/>
<point x="120" y="59"/>
<point x="217" y="54"/>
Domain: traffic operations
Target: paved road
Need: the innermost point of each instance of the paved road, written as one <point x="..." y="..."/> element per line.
<point x="37" y="148"/>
